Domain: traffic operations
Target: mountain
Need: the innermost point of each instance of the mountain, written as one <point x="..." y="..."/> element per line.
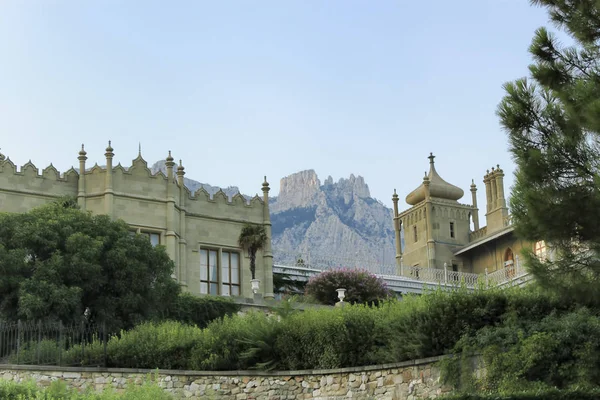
<point x="337" y="222"/>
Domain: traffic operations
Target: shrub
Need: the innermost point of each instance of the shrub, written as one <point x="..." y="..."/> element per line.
<point x="342" y="337"/>
<point x="166" y="345"/>
<point x="552" y="394"/>
<point x="560" y="350"/>
<point x="59" y="391"/>
<point x="227" y="344"/>
<point x="361" y="287"/>
<point x="191" y="309"/>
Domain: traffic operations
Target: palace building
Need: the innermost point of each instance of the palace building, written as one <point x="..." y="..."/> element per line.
<point x="200" y="232"/>
<point x="437" y="227"/>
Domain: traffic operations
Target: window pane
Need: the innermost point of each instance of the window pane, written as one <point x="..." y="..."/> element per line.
<point x="225" y="290"/>
<point x="155" y="239"/>
<point x="213" y="289"/>
<point x="212" y="263"/>
<point x="203" y="265"/>
<point x="235" y="290"/>
<point x="225" y="267"/>
<point x="203" y="287"/>
<point x="235" y="268"/>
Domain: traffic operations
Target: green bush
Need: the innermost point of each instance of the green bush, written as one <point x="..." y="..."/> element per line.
<point x="361" y="287"/>
<point x="536" y="395"/>
<point x="342" y="337"/>
<point x="191" y="309"/>
<point x="59" y="391"/>
<point x="561" y="350"/>
<point x="166" y="345"/>
<point x="228" y="344"/>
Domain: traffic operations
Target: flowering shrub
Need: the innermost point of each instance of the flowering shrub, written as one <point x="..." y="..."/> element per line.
<point x="361" y="286"/>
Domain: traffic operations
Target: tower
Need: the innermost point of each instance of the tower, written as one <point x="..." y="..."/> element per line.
<point x="435" y="224"/>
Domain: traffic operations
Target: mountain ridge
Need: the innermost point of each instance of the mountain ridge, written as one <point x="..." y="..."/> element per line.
<point x="328" y="220"/>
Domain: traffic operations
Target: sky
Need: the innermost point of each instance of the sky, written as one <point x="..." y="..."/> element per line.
<point x="242" y="89"/>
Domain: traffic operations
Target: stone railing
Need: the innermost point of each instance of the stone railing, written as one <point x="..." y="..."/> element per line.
<point x="508" y="274"/>
<point x="435" y="275"/>
<point x="417" y="379"/>
<point x="478" y="234"/>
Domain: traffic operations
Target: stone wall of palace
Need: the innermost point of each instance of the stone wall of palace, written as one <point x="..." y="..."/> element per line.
<point x="418" y="379"/>
<point x="185" y="222"/>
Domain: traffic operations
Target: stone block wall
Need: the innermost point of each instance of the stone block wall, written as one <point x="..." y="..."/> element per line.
<point x="411" y="380"/>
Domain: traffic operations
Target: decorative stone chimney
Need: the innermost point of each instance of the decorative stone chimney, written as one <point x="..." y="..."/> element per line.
<point x="497" y="212"/>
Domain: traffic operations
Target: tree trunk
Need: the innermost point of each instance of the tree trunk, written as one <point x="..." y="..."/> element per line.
<point x="253" y="263"/>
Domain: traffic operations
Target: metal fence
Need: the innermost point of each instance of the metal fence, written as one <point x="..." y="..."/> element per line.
<point x="53" y="343"/>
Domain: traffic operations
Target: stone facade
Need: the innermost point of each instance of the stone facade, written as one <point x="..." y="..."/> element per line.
<point x="437" y="228"/>
<point x="411" y="380"/>
<point x="200" y="232"/>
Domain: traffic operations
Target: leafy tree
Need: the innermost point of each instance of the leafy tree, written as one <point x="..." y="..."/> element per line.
<point x="553" y="123"/>
<point x="56" y="261"/>
<point x="253" y="237"/>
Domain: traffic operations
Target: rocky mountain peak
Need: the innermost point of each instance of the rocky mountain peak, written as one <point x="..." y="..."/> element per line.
<point x="355" y="185"/>
<point x="298" y="189"/>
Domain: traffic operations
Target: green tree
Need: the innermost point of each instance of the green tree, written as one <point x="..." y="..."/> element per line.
<point x="253" y="237"/>
<point x="553" y="124"/>
<point x="56" y="261"/>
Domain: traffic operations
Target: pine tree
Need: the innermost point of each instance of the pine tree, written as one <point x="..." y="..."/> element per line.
<point x="553" y="124"/>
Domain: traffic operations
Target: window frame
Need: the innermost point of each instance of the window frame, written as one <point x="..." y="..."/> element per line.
<point x="452" y="230"/>
<point x="219" y="285"/>
<point x="540" y="250"/>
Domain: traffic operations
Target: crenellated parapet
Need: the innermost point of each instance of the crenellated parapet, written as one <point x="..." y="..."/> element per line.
<point x="26" y="187"/>
<point x="196" y="228"/>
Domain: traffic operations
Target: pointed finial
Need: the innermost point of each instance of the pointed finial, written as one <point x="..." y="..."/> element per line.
<point x="139" y="148"/>
<point x="109" y="149"/>
<point x="431" y="157"/>
<point x="394" y="191"/>
<point x="180" y="163"/>
<point x="82" y="151"/>
<point x="170" y="159"/>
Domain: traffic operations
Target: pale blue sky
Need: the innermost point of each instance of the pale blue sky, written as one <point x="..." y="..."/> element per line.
<point x="242" y="89"/>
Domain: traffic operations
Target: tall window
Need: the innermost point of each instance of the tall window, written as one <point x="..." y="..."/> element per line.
<point x="228" y="272"/>
<point x="540" y="250"/>
<point x="209" y="272"/>
<point x="451" y="229"/>
<point x="415" y="233"/>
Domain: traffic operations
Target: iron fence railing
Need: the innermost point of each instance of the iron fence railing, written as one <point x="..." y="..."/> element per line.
<point x="53" y="343"/>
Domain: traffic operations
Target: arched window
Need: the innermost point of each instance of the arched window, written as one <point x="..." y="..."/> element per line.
<point x="540" y="250"/>
<point x="509" y="263"/>
<point x="508" y="257"/>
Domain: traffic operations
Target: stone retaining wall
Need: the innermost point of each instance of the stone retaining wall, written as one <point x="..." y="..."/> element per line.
<point x="411" y="380"/>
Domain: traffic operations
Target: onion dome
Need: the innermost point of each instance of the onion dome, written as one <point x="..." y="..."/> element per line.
<point x="438" y="187"/>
